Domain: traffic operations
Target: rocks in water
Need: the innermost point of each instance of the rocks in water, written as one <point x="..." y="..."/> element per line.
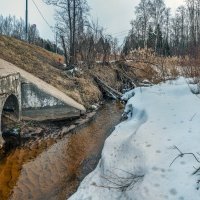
<point x="15" y="132"/>
<point x="37" y="132"/>
<point x="12" y="138"/>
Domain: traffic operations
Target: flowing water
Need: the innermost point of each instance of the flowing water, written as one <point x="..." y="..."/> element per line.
<point x="52" y="169"/>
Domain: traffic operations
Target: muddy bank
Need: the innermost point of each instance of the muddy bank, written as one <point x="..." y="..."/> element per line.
<point x="22" y="132"/>
<point x="52" y="168"/>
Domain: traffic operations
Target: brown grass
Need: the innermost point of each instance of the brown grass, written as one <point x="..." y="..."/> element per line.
<point x="45" y="65"/>
<point x="81" y="87"/>
<point x="153" y="67"/>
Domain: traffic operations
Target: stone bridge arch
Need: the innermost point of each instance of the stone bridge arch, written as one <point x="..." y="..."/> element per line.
<point x="10" y="109"/>
<point x="10" y="99"/>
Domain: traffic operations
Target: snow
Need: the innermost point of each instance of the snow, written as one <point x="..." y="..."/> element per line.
<point x="164" y="116"/>
<point x="128" y="95"/>
<point x="94" y="106"/>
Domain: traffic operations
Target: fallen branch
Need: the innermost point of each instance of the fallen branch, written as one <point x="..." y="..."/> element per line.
<point x="125" y="77"/>
<point x="107" y="89"/>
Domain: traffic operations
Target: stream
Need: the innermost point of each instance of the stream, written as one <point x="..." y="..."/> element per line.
<point x="53" y="168"/>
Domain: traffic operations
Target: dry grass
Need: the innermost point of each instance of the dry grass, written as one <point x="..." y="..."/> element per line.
<point x="82" y="87"/>
<point x="153" y="67"/>
<point x="45" y="65"/>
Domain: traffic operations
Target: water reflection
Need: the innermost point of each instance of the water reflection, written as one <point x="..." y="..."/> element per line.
<point x="53" y="169"/>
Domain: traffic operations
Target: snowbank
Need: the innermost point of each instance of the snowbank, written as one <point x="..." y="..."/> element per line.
<point x="164" y="116"/>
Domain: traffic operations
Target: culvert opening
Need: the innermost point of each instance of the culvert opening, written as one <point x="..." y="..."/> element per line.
<point x="9" y="118"/>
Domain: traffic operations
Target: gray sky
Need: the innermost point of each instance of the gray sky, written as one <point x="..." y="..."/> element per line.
<point x="113" y="15"/>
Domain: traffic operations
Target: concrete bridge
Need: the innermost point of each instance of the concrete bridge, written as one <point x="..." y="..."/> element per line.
<point x="24" y="96"/>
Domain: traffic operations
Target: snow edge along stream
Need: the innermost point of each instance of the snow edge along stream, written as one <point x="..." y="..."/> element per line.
<point x="143" y="145"/>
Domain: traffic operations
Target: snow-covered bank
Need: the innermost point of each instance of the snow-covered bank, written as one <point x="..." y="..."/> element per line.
<point x="164" y="116"/>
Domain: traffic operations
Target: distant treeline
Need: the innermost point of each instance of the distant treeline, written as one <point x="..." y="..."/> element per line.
<point x="81" y="38"/>
<point x="13" y="27"/>
<point x="154" y="27"/>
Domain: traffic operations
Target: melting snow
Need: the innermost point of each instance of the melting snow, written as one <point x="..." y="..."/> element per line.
<point x="164" y="116"/>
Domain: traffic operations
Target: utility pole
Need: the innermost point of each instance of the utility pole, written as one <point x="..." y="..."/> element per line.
<point x="56" y="42"/>
<point x="26" y="20"/>
<point x="56" y="38"/>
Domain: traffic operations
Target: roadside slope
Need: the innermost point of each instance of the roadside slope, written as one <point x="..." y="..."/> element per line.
<point x="45" y="87"/>
<point x="80" y="86"/>
<point x="45" y="65"/>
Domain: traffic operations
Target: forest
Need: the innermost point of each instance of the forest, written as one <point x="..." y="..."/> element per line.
<point x="81" y="39"/>
<point x="59" y="117"/>
<point x="168" y="34"/>
<point x="154" y="26"/>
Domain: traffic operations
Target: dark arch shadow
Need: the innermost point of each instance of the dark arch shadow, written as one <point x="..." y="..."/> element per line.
<point x="10" y="115"/>
<point x="11" y="108"/>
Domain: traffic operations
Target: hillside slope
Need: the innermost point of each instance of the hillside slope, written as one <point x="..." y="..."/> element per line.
<point x="81" y="87"/>
<point x="43" y="64"/>
<point x="8" y="68"/>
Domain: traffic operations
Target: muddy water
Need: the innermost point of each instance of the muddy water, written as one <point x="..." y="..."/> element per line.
<point x="53" y="169"/>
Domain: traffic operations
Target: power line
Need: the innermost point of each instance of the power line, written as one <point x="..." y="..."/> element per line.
<point x="121" y="35"/>
<point x="26" y="16"/>
<point x="117" y="33"/>
<point x="43" y="16"/>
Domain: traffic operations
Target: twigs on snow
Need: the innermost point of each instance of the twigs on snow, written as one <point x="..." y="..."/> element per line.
<point x="193" y="117"/>
<point x="119" y="182"/>
<point x="181" y="154"/>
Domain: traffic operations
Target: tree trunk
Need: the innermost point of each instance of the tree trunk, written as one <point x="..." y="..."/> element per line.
<point x="65" y="50"/>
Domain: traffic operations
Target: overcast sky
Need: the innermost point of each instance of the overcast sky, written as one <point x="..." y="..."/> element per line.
<point x="113" y="15"/>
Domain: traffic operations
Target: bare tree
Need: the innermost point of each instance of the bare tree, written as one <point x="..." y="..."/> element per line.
<point x="144" y="16"/>
<point x="71" y="19"/>
<point x="33" y="34"/>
